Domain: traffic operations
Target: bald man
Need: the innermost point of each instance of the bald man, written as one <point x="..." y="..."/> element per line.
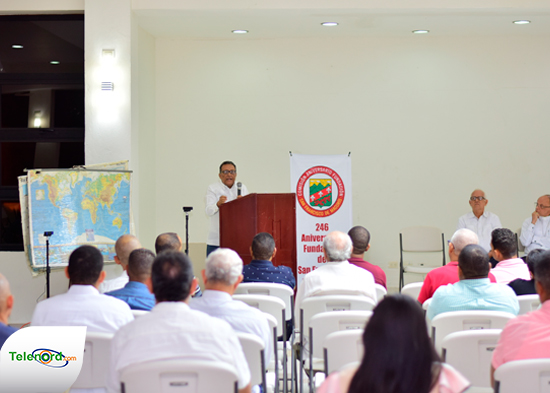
<point x="123" y="248"/>
<point x="6" y="305"/>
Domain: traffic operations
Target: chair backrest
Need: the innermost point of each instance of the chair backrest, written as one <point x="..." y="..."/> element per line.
<point x="96" y="362"/>
<point x="421" y="239"/>
<point x="521" y="247"/>
<point x="531" y="376"/>
<point x="380" y="292"/>
<point x="321" y="325"/>
<point x="412" y="289"/>
<point x="139" y="313"/>
<point x="179" y="376"/>
<point x="341" y="348"/>
<point x="470" y="352"/>
<point x="318" y="304"/>
<point x="282" y="291"/>
<point x="253" y="349"/>
<point x="528" y="303"/>
<point x="455" y="321"/>
<point x="268" y="304"/>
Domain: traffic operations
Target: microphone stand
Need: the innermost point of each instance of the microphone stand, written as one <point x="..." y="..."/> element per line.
<point x="187" y="209"/>
<point x="47" y="235"/>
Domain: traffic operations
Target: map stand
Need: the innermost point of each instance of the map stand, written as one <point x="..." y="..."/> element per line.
<point x="47" y="235"/>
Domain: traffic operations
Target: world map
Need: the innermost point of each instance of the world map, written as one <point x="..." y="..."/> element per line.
<point x="80" y="207"/>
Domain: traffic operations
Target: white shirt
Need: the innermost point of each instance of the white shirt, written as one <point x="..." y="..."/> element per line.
<point x="213" y="194"/>
<point x="335" y="278"/>
<point x="83" y="305"/>
<point x="242" y="317"/>
<point x="511" y="269"/>
<point x="482" y="226"/>
<point x="535" y="235"/>
<point x="115" y="283"/>
<point x="173" y="331"/>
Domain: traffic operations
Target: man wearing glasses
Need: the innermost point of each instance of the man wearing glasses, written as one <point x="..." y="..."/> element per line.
<point x="225" y="190"/>
<point x="535" y="232"/>
<point x="479" y="220"/>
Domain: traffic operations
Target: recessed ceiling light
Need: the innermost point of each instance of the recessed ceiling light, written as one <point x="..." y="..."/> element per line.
<point x="421" y="31"/>
<point x="54" y="62"/>
<point x="16" y="46"/>
<point x="329" y="24"/>
<point x="239" y="31"/>
<point x="522" y="22"/>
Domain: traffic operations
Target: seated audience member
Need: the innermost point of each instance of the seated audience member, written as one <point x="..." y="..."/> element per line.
<point x="172" y="330"/>
<point x="123" y="247"/>
<point x="82" y="304"/>
<point x="136" y="293"/>
<point x="527" y="287"/>
<point x="526" y="337"/>
<point x="6" y="305"/>
<point x="398" y="356"/>
<point x="170" y="241"/>
<point x="535" y="231"/>
<point x="448" y="274"/>
<point x="260" y="269"/>
<point x="360" y="238"/>
<point x="337" y="276"/>
<point x="480" y="221"/>
<point x="505" y="251"/>
<point x="221" y="277"/>
<point x="474" y="291"/>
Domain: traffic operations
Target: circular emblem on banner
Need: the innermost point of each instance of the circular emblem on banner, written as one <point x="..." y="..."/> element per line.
<point x="320" y="191"/>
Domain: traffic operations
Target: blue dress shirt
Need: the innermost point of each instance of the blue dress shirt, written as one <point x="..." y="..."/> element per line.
<point x="264" y="271"/>
<point x="136" y="294"/>
<point x="473" y="294"/>
<point x="5" y="332"/>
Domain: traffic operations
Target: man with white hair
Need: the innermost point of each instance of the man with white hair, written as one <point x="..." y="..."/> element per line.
<point x="535" y="231"/>
<point x="221" y="277"/>
<point x="337" y="276"/>
<point x="480" y="221"/>
<point x="448" y="274"/>
<point x="6" y="305"/>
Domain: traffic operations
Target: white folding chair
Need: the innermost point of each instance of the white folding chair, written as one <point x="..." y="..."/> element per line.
<point x="95" y="364"/>
<point x="341" y="348"/>
<point x="470" y="352"/>
<point x="282" y="291"/>
<point x="179" y="376"/>
<point x="253" y="348"/>
<point x="528" y="303"/>
<point x="380" y="292"/>
<point x="412" y="289"/>
<point x="139" y="313"/>
<point x="531" y="376"/>
<point x="456" y="321"/>
<point x="312" y="306"/>
<point x="419" y="239"/>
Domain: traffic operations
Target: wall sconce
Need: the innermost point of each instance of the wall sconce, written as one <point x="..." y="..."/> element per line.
<point x="108" y="54"/>
<point x="37" y="119"/>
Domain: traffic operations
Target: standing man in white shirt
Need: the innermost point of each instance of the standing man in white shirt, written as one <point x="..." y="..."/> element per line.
<point x="480" y="221"/>
<point x="226" y="190"/>
<point x="535" y="232"/>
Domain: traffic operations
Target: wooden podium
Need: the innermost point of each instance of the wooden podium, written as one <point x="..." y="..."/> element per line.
<point x="243" y="218"/>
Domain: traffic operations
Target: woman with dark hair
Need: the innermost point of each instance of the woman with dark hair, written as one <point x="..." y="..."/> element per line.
<point x="399" y="356"/>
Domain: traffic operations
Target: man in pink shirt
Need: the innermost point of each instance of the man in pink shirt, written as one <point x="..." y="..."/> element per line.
<point x="448" y="274"/>
<point x="526" y="337"/>
<point x="360" y="237"/>
<point x="504" y="250"/>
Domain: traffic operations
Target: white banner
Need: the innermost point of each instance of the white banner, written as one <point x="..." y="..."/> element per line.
<point x="323" y="204"/>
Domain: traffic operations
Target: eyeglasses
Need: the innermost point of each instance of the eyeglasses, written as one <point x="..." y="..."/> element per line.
<point x="541" y="206"/>
<point x="473" y="199"/>
<point x="226" y="172"/>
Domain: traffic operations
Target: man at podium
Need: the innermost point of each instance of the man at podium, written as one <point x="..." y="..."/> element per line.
<point x="225" y="190"/>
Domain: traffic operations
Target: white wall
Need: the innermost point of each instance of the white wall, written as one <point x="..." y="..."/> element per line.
<point x="427" y="120"/>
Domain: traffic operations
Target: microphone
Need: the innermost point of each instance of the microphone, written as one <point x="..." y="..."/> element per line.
<point x="239" y="185"/>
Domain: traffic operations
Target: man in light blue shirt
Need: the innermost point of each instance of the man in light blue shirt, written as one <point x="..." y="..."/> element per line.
<point x="474" y="291"/>
<point x="136" y="292"/>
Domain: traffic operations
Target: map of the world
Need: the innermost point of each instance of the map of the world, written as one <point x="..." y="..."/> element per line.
<point x="80" y="207"/>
